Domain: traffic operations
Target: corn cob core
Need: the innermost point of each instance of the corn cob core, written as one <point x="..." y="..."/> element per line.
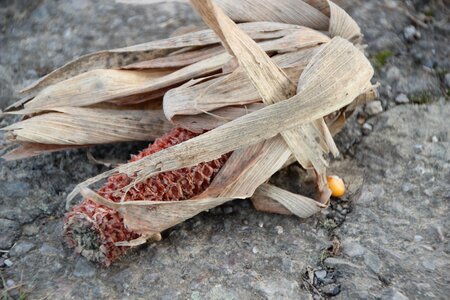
<point x="94" y="229"/>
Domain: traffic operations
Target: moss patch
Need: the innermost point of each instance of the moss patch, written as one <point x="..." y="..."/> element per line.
<point x="422" y="97"/>
<point x="380" y="58"/>
<point x="329" y="224"/>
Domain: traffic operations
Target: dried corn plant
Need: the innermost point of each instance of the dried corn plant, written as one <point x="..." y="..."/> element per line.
<point x="246" y="99"/>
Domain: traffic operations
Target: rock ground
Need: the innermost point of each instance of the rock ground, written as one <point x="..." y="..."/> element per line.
<point x="389" y="239"/>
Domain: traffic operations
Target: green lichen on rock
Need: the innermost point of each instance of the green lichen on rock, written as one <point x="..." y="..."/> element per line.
<point x="422" y="97"/>
<point x="380" y="58"/>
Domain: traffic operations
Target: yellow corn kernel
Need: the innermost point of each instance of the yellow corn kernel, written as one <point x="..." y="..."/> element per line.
<point x="336" y="185"/>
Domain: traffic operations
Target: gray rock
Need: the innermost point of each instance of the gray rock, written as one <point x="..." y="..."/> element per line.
<point x="84" y="268"/>
<point x="8" y="263"/>
<point x="353" y="249"/>
<point x="20" y="248"/>
<point x="393" y="294"/>
<point x="49" y="250"/>
<point x="374" y="108"/>
<point x="418" y="238"/>
<point x="411" y="33"/>
<point x="228" y="210"/>
<point x="401" y="99"/>
<point x="339" y="263"/>
<point x="281" y="288"/>
<point x="279" y="229"/>
<point x="367" y="128"/>
<point x="30" y="229"/>
<point x="320" y="274"/>
<point x="447" y="80"/>
<point x="408" y="187"/>
<point x="373" y="262"/>
<point x="10" y="283"/>
<point x="393" y="73"/>
<point x="9" y="231"/>
<point x="331" y="289"/>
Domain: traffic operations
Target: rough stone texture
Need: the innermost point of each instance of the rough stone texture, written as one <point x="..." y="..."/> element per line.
<point x="399" y="237"/>
<point x="8" y="233"/>
<point x="389" y="237"/>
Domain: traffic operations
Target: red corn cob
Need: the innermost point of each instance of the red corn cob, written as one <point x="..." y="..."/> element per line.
<point x="94" y="229"/>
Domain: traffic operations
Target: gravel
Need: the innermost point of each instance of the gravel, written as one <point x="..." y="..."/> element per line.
<point x="411" y="33"/>
<point x="21" y="248"/>
<point x="374" y="108"/>
<point x="401" y="99"/>
<point x="321" y="274"/>
<point x="331" y="289"/>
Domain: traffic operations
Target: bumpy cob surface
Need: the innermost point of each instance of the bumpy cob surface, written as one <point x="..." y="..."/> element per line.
<point x="94" y="229"/>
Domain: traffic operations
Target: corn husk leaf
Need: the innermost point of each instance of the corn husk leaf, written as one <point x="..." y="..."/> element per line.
<point x="231" y="89"/>
<point x="90" y="125"/>
<point x="116" y="58"/>
<point x="26" y="150"/>
<point x="118" y="86"/>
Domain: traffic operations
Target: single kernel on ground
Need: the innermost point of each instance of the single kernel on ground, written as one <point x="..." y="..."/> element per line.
<point x="93" y="230"/>
<point x="336" y="185"/>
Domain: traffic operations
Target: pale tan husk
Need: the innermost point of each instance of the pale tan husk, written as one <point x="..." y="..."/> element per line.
<point x="276" y="90"/>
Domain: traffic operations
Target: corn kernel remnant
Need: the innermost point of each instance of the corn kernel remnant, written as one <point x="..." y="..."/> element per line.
<point x="93" y="230"/>
<point x="336" y="185"/>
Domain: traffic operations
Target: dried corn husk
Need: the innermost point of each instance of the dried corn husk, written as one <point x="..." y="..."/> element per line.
<point x="272" y="91"/>
<point x="91" y="125"/>
<point x="142" y="82"/>
<point x="263" y="139"/>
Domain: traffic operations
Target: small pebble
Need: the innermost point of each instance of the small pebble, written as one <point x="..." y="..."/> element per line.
<point x="367" y="128"/>
<point x="255" y="250"/>
<point x="332" y="289"/>
<point x="228" y="210"/>
<point x="321" y="274"/>
<point x="374" y="108"/>
<point x="21" y="248"/>
<point x="418" y="148"/>
<point x="434" y="139"/>
<point x="8" y="263"/>
<point x="260" y="224"/>
<point x="279" y="229"/>
<point x="353" y="249"/>
<point x="418" y="238"/>
<point x="10" y="283"/>
<point x="447" y="80"/>
<point x="401" y="99"/>
<point x="411" y="33"/>
<point x="407" y="187"/>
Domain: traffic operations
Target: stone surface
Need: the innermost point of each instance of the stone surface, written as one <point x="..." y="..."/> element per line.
<point x="447" y="80"/>
<point x="21" y="248"/>
<point x="400" y="248"/>
<point x="391" y="239"/>
<point x="9" y="231"/>
<point x="374" y="108"/>
<point x="401" y="99"/>
<point x="411" y="33"/>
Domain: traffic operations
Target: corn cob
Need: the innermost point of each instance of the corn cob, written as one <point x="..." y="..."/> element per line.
<point x="94" y="229"/>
